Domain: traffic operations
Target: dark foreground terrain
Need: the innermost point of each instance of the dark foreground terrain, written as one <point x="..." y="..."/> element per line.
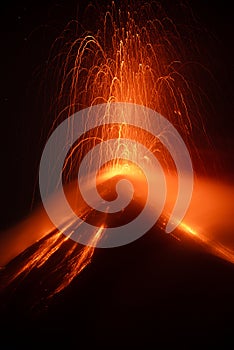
<point x="156" y="291"/>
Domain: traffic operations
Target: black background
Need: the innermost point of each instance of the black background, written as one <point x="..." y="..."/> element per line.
<point x="174" y="292"/>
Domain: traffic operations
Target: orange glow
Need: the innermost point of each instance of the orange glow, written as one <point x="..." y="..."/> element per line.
<point x="210" y="224"/>
<point x="78" y="262"/>
<point x="132" y="57"/>
<point x="210" y="219"/>
<point x="127" y="59"/>
<point x="188" y="229"/>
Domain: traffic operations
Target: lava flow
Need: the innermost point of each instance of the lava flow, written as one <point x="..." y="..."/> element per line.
<point x="135" y="57"/>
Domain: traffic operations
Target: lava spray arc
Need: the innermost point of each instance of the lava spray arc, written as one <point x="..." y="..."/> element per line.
<point x="135" y="55"/>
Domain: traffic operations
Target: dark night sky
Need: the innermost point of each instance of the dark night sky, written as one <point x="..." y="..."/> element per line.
<point x="27" y="32"/>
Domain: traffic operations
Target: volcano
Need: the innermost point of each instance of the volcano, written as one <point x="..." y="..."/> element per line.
<point x="160" y="290"/>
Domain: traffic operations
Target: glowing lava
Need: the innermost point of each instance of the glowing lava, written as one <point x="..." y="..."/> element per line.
<point x="204" y="226"/>
<point x="136" y="57"/>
